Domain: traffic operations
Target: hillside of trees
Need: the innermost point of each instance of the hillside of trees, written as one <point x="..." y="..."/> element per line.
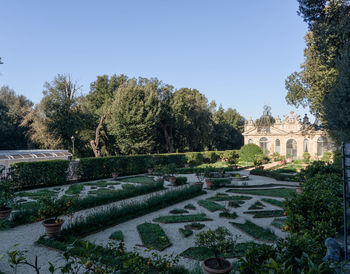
<point x="119" y="115"/>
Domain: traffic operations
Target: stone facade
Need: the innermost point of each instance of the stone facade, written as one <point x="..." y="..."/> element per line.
<point x="290" y="136"/>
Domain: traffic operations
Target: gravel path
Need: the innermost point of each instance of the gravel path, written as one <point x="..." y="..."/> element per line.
<point x="26" y="235"/>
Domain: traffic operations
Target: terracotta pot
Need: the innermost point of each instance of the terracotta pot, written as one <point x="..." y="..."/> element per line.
<point x="210" y="270"/>
<point x="299" y="189"/>
<point x="199" y="184"/>
<point x="115" y="175"/>
<point x="150" y="170"/>
<point x="52" y="229"/>
<point x="172" y="180"/>
<point x="5" y="213"/>
<point x="209" y="183"/>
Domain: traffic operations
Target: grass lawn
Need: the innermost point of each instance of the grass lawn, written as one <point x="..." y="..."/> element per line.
<point x="185" y="232"/>
<point x="194" y="226"/>
<point x="228" y="198"/>
<point x="229" y="215"/>
<point x="139" y="179"/>
<point x="202" y="253"/>
<point x="255" y="231"/>
<point x="178" y="211"/>
<point x="236" y="204"/>
<point x="75" y="189"/>
<point x="36" y="194"/>
<point x="257" y="205"/>
<point x="274" y="192"/>
<point x="273" y="202"/>
<point x="211" y="206"/>
<point x="102" y="191"/>
<point x="182" y="218"/>
<point x="190" y="206"/>
<point x="102" y="184"/>
<point x="153" y="236"/>
<point x="265" y="213"/>
<point x="117" y="235"/>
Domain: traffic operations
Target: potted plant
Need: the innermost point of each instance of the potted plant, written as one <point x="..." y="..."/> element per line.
<point x="208" y="179"/>
<point x="116" y="172"/>
<point x="50" y="209"/>
<point x="200" y="177"/>
<point x="149" y="166"/>
<point x="6" y="199"/>
<point x="258" y="161"/>
<point x="231" y="157"/>
<point x="169" y="172"/>
<point x="219" y="241"/>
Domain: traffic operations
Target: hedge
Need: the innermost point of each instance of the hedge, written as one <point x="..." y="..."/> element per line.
<point x="54" y="172"/>
<point x="40" y="173"/>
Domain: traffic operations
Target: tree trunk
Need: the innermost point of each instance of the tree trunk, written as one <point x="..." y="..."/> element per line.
<point x="168" y="139"/>
<point x="95" y="143"/>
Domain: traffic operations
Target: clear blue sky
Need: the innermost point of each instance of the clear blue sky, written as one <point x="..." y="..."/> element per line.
<point x="237" y="53"/>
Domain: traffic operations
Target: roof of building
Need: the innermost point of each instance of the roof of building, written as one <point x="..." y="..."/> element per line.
<point x="33" y="154"/>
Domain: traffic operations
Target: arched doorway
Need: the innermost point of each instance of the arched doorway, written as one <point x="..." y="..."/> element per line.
<point x="322" y="145"/>
<point x="277" y="146"/>
<point x="263" y="144"/>
<point x="291" y="148"/>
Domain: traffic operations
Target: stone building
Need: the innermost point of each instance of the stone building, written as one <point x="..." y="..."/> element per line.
<point x="289" y="136"/>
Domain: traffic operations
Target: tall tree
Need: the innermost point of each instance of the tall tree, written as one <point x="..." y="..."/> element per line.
<point x="12" y="109"/>
<point x="56" y="117"/>
<point x="322" y="83"/>
<point x="98" y="105"/>
<point x="190" y="111"/>
<point x="135" y="117"/>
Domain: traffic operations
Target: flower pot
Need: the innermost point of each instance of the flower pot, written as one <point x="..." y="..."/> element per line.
<point x="299" y="189"/>
<point x="209" y="183"/>
<point x="172" y="180"/>
<point x="115" y="175"/>
<point x="52" y="228"/>
<point x="199" y="184"/>
<point x="187" y="165"/>
<point x="211" y="266"/>
<point x="150" y="170"/>
<point x="5" y="213"/>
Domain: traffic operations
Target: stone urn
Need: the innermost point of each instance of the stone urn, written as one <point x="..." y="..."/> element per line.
<point x="52" y="227"/>
<point x="187" y="165"/>
<point x="172" y="180"/>
<point x="5" y="213"/>
<point x="115" y="175"/>
<point x="149" y="170"/>
<point x="210" y="266"/>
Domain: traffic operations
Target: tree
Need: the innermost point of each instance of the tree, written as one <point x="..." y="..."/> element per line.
<point x="322" y="83"/>
<point x="12" y="109"/>
<point x="135" y="117"/>
<point x="98" y="106"/>
<point x="56" y="118"/>
<point x="192" y="125"/>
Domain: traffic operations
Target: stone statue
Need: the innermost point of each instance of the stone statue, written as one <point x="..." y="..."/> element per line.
<point x="334" y="250"/>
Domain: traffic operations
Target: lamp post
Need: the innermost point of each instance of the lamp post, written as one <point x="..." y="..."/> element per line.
<point x="73" y="140"/>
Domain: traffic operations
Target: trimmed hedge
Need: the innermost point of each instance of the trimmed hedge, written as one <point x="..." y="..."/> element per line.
<point x="247" y="152"/>
<point x="40" y="173"/>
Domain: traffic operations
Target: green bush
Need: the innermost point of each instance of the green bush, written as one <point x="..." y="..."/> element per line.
<point x="181" y="180"/>
<point x="231" y="157"/>
<point x="41" y="173"/>
<point x="194" y="158"/>
<point x="247" y="152"/>
<point x="210" y="157"/>
<point x="306" y="157"/>
<point x="326" y="157"/>
<point x="318" y="210"/>
<point x="318" y="167"/>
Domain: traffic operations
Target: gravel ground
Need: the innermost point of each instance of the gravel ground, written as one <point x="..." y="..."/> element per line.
<point x="26" y="235"/>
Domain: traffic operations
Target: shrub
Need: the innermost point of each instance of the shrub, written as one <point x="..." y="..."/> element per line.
<point x="318" y="210"/>
<point x="318" y="167"/>
<point x="276" y="156"/>
<point x="6" y="194"/>
<point x="40" y="173"/>
<point x="231" y="157"/>
<point x="194" y="158"/>
<point x="181" y="180"/>
<point x="219" y="182"/>
<point x="306" y="157"/>
<point x="326" y="157"/>
<point x="248" y="152"/>
<point x="210" y="157"/>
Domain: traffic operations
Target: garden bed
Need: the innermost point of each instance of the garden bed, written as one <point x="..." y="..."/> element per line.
<point x="211" y="206"/>
<point x="153" y="236"/>
<point x="265" y="213"/>
<point x="274" y="192"/>
<point x="256" y="232"/>
<point x="169" y="219"/>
